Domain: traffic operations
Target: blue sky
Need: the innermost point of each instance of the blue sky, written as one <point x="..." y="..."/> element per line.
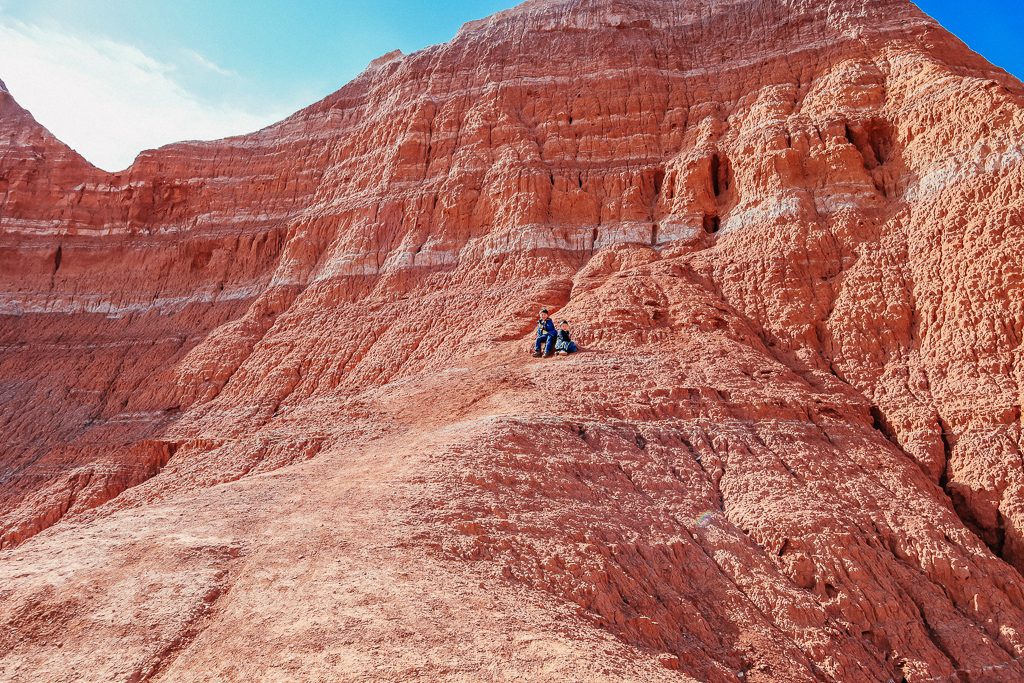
<point x="113" y="77"/>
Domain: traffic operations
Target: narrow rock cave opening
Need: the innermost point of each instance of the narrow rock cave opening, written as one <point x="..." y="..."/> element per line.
<point x="712" y="223"/>
<point x="880" y="139"/>
<point x="873" y="140"/>
<point x="721" y="173"/>
<point x="947" y="453"/>
<point x="878" y="422"/>
<point x="659" y="181"/>
<point x="57" y="258"/>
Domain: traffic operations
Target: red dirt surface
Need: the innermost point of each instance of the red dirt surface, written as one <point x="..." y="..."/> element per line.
<point x="268" y="411"/>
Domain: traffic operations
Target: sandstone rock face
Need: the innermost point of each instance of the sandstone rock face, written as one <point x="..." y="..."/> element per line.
<point x="267" y="413"/>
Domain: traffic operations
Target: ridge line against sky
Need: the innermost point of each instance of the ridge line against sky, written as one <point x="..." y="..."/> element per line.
<point x="114" y="77"/>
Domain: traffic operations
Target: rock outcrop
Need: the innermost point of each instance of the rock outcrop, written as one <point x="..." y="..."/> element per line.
<point x="267" y="412"/>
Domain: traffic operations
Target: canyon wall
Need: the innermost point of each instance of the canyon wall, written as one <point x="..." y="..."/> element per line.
<point x="268" y="413"/>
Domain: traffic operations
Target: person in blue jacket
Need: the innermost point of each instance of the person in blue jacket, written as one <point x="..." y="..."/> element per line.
<point x="546" y="336"/>
<point x="564" y="345"/>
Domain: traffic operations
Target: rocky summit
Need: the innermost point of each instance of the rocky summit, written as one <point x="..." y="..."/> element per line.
<point x="269" y="411"/>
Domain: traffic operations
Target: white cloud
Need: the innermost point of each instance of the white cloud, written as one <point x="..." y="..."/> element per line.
<point x="209" y="64"/>
<point x="110" y="100"/>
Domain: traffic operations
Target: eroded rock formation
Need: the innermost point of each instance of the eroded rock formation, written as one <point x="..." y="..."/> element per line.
<point x="267" y="413"/>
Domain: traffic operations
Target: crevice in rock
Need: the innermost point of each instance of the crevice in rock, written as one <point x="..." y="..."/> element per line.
<point x="994" y="538"/>
<point x="879" y="424"/>
<point x="873" y="141"/>
<point x="712" y="223"/>
<point x="721" y="175"/>
<point x="947" y="453"/>
<point x="57" y="257"/>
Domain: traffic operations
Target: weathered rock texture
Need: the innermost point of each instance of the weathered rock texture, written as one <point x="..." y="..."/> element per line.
<point x="267" y="414"/>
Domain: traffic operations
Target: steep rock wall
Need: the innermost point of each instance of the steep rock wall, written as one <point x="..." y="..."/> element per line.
<point x="789" y="234"/>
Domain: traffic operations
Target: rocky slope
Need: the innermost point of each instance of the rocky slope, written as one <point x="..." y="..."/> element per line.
<point x="267" y="415"/>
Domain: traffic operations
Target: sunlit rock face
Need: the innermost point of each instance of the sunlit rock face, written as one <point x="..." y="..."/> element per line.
<point x="268" y="411"/>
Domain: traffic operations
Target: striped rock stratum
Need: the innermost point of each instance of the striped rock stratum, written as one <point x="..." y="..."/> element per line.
<point x="267" y="412"/>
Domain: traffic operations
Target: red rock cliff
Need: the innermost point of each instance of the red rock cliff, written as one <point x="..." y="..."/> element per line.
<point x="267" y="413"/>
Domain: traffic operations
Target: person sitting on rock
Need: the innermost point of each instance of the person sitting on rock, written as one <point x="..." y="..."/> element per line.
<point x="546" y="335"/>
<point x="563" y="344"/>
